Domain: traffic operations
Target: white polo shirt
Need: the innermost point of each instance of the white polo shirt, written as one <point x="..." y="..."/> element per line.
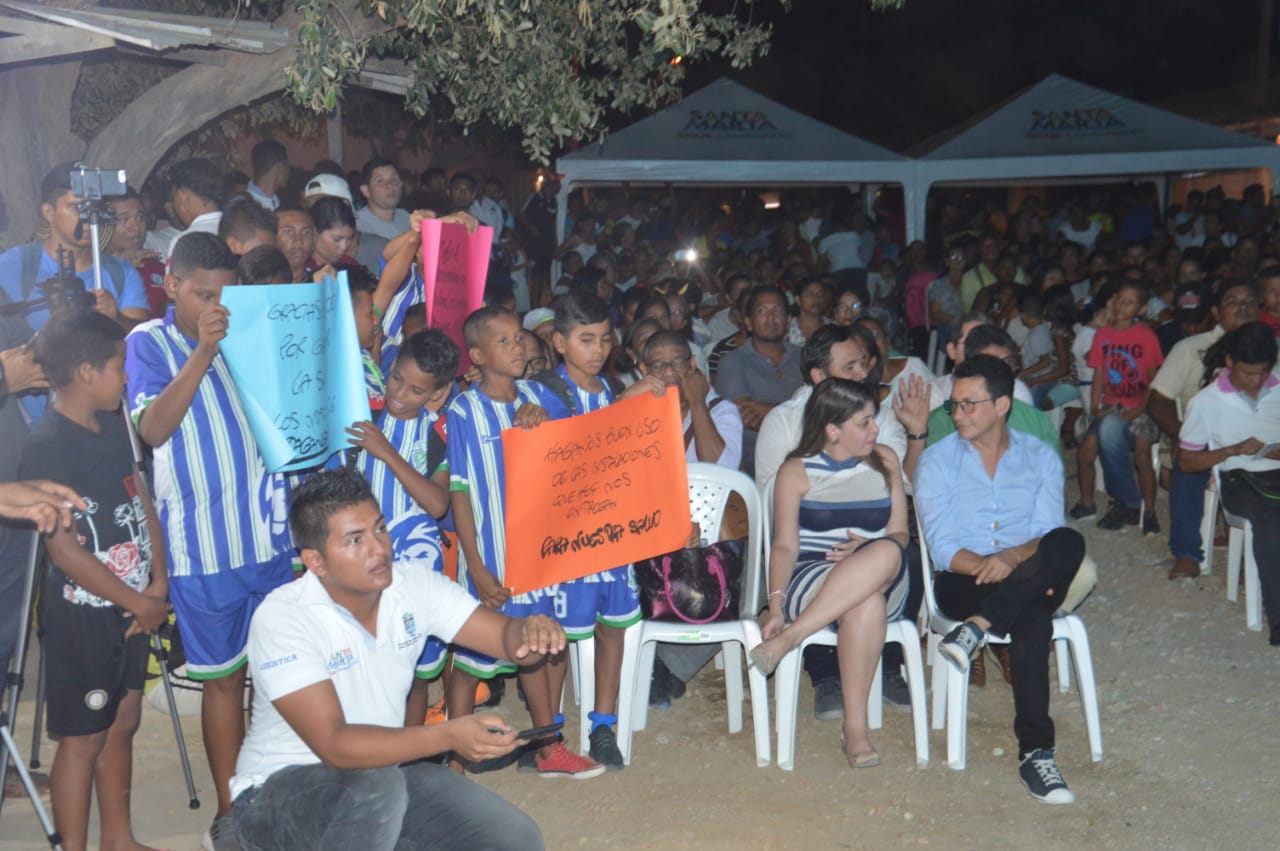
<point x="1178" y="378"/>
<point x="1220" y="415"/>
<point x="299" y="636"/>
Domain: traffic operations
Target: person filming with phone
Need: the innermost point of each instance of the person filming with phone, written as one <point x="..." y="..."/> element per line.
<point x="328" y="759"/>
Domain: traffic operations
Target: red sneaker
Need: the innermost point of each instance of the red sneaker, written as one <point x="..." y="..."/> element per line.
<point x="562" y="762"/>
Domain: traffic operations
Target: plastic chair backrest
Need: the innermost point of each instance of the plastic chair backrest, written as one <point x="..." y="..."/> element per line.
<point x="931" y="604"/>
<point x="709" y="489"/>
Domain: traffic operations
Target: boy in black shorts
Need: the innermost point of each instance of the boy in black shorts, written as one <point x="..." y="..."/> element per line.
<point x="100" y="597"/>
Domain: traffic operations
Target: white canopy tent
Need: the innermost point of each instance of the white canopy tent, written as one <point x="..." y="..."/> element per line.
<point x="1060" y="130"/>
<point x="726" y="134"/>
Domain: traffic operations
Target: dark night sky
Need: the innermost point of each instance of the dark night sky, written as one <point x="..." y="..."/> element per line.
<point x="898" y="77"/>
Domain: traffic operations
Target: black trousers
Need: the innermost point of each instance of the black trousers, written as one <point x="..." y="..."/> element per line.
<point x="1241" y="499"/>
<point x="1020" y="608"/>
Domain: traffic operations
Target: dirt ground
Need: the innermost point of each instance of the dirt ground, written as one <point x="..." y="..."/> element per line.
<point x="1188" y="703"/>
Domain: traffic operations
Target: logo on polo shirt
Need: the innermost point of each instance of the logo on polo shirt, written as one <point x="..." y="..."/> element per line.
<point x="341" y="660"/>
<point x="275" y="663"/>
<point x="410" y="631"/>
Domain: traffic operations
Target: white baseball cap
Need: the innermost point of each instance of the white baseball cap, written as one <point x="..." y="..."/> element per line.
<point x="328" y="184"/>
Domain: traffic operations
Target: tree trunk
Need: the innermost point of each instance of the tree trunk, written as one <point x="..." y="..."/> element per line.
<point x="35" y="136"/>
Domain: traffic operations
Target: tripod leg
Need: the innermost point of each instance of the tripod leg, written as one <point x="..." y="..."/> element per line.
<point x="55" y="841"/>
<point x="162" y="656"/>
<point x="39" y="722"/>
<point x="14" y="678"/>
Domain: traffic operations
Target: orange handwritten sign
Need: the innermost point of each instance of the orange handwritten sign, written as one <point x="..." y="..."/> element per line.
<point x="595" y="491"/>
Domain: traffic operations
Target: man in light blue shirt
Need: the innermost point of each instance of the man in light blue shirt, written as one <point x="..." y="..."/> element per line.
<point x="991" y="503"/>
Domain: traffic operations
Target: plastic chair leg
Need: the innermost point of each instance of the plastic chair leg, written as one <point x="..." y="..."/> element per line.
<point x="643" y="674"/>
<point x="1235" y="547"/>
<point x="574" y="680"/>
<point x="583" y="662"/>
<point x="759" y="699"/>
<point x="940" y="668"/>
<point x="1207" y="524"/>
<point x="957" y="714"/>
<point x="915" y="680"/>
<point x="1083" y="657"/>
<point x="1063" y="654"/>
<point x="627" y="690"/>
<point x="786" y="688"/>
<point x="1252" y="587"/>
<point x="732" y="653"/>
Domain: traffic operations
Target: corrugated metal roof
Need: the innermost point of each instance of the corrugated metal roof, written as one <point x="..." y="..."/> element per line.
<point x="155" y="31"/>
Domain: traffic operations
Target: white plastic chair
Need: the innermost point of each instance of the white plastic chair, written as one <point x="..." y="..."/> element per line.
<point x="709" y="489"/>
<point x="931" y="356"/>
<point x="951" y="687"/>
<point x="582" y="659"/>
<point x="1208" y="525"/>
<point x="786" y="686"/>
<point x="1240" y="551"/>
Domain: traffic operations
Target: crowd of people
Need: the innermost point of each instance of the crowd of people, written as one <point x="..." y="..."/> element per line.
<point x="796" y="341"/>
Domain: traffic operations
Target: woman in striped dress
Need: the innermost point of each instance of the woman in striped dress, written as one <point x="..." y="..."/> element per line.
<point x="840" y="526"/>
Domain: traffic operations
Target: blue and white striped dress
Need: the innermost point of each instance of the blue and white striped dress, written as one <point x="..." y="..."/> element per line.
<point x="844" y="496"/>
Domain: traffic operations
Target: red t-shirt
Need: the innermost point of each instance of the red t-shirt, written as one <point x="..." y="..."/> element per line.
<point x="1125" y="361"/>
<point x="1272" y="322"/>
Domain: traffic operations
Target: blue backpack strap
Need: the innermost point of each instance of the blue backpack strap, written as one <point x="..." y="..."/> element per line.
<point x="554" y="382"/>
<point x="113" y="268"/>
<point x="31" y="254"/>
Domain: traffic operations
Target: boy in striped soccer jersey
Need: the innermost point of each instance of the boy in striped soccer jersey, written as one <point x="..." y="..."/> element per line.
<point x="224" y="516"/>
<point x="604" y="604"/>
<point x="403" y="459"/>
<point x="475" y="421"/>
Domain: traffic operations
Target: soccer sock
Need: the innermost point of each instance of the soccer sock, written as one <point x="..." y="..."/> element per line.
<point x="601" y="719"/>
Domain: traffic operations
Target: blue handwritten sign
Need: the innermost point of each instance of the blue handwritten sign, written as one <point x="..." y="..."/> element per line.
<point x="293" y="352"/>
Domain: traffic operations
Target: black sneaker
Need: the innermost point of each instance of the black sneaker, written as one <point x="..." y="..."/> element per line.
<point x="1150" y="525"/>
<point x="828" y="701"/>
<point x="1079" y="511"/>
<point x="961" y="643"/>
<point x="1118" y="516"/>
<point x="1039" y="773"/>
<point x="604" y="748"/>
<point x="895" y="689"/>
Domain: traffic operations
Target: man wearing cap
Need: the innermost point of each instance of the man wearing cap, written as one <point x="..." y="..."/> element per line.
<point x="1179" y="379"/>
<point x="541" y="321"/>
<point x="322" y="185"/>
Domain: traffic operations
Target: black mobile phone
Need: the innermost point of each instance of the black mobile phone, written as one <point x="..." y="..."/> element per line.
<point x="539" y="732"/>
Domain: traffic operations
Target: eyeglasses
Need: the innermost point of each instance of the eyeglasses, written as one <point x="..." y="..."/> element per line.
<point x="848" y="308"/>
<point x="537" y="364"/>
<point x="659" y="366"/>
<point x="965" y="405"/>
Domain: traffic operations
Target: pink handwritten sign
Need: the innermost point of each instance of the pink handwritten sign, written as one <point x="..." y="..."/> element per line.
<point x="454" y="266"/>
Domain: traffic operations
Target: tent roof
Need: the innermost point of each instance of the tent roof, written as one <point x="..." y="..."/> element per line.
<point x="710" y="134"/>
<point x="1062" y="117"/>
